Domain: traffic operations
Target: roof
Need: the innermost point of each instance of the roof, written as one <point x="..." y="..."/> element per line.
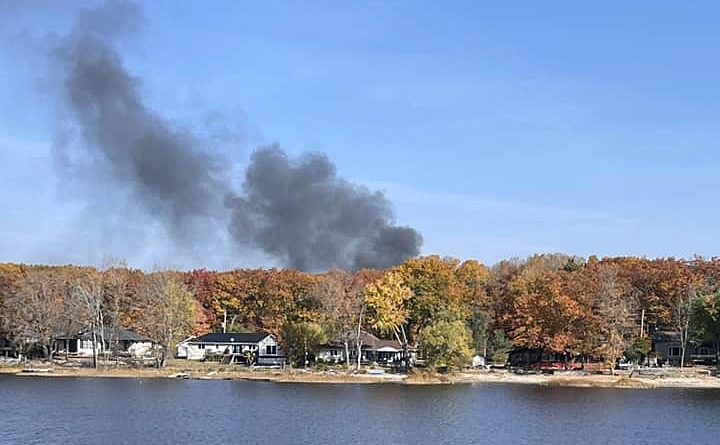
<point x="230" y="337"/>
<point x="122" y="335"/>
<point x="665" y="336"/>
<point x="378" y="343"/>
<point x="371" y="342"/>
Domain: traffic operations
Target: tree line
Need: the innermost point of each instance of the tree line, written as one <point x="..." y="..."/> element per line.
<point x="597" y="309"/>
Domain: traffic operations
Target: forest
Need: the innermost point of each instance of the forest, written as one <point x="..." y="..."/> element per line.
<point x="595" y="309"/>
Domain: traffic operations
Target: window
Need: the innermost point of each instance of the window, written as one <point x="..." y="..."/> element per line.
<point x="334" y="352"/>
<point x="201" y="346"/>
<point x="674" y="351"/>
<point x="704" y="351"/>
<point x="270" y="349"/>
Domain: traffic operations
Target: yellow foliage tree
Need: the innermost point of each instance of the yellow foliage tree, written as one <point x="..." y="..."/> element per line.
<point x="387" y="300"/>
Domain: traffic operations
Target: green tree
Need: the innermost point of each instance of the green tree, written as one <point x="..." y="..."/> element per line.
<point x="707" y="316"/>
<point x="480" y="321"/>
<point x="435" y="288"/>
<point x="500" y="347"/>
<point x="638" y="349"/>
<point x="446" y="343"/>
<point x="303" y="339"/>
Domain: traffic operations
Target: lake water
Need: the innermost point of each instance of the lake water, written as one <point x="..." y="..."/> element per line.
<point x="36" y="410"/>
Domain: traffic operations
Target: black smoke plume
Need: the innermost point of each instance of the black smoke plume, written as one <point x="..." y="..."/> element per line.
<point x="298" y="211"/>
<point x="166" y="172"/>
<point x="302" y="213"/>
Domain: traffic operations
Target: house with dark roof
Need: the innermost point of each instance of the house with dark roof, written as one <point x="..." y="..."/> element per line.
<point x="668" y="349"/>
<point x="7" y="348"/>
<point x="373" y="350"/>
<point x="123" y="341"/>
<point x="253" y="348"/>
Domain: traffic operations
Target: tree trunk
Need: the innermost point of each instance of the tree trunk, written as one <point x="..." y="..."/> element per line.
<point x="358" y="338"/>
<point x="347" y="352"/>
<point x="101" y="328"/>
<point x="406" y="357"/>
<point x="94" y="346"/>
<point x="358" y="350"/>
<point x="682" y="355"/>
<point x="404" y="343"/>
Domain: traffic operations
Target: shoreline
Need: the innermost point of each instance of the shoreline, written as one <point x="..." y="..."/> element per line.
<point x="315" y="377"/>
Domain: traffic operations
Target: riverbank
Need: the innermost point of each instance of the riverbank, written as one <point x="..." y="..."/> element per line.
<point x="200" y="371"/>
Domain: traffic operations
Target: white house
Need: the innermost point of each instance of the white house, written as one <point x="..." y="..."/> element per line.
<point x="259" y="348"/>
<point x="81" y="343"/>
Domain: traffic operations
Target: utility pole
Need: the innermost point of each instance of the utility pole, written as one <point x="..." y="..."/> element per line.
<point x="642" y="323"/>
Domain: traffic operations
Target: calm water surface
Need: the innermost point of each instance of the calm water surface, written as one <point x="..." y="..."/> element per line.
<point x="36" y="410"/>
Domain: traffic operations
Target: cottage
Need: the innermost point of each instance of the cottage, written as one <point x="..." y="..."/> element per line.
<point x="386" y="352"/>
<point x="123" y="342"/>
<point x="668" y="348"/>
<point x="542" y="360"/>
<point x="7" y="348"/>
<point x="259" y="348"/>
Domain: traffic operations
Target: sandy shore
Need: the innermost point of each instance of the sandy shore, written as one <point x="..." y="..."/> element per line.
<point x="593" y="381"/>
<point x="276" y="376"/>
<point x="687" y="380"/>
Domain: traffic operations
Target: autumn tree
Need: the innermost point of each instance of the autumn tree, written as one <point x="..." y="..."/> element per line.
<point x="36" y="309"/>
<point x="202" y="283"/>
<point x="87" y="294"/>
<point x="10" y="275"/>
<point x="169" y="311"/>
<point x="472" y="277"/>
<point x="616" y="316"/>
<point x="267" y="300"/>
<point x="387" y="301"/>
<point x="434" y="287"/>
<point x="341" y="297"/>
<point x="500" y="297"/>
<point x="544" y="315"/>
<point x="116" y="289"/>
<point x="683" y="308"/>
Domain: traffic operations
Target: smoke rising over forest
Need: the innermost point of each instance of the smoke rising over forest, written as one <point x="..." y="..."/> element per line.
<point x="297" y="211"/>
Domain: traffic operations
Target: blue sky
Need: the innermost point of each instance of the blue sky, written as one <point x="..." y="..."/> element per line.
<point x="497" y="130"/>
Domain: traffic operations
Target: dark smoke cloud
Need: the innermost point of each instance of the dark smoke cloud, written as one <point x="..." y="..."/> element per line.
<point x="167" y="173"/>
<point x="301" y="212"/>
<point x="298" y="211"/>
